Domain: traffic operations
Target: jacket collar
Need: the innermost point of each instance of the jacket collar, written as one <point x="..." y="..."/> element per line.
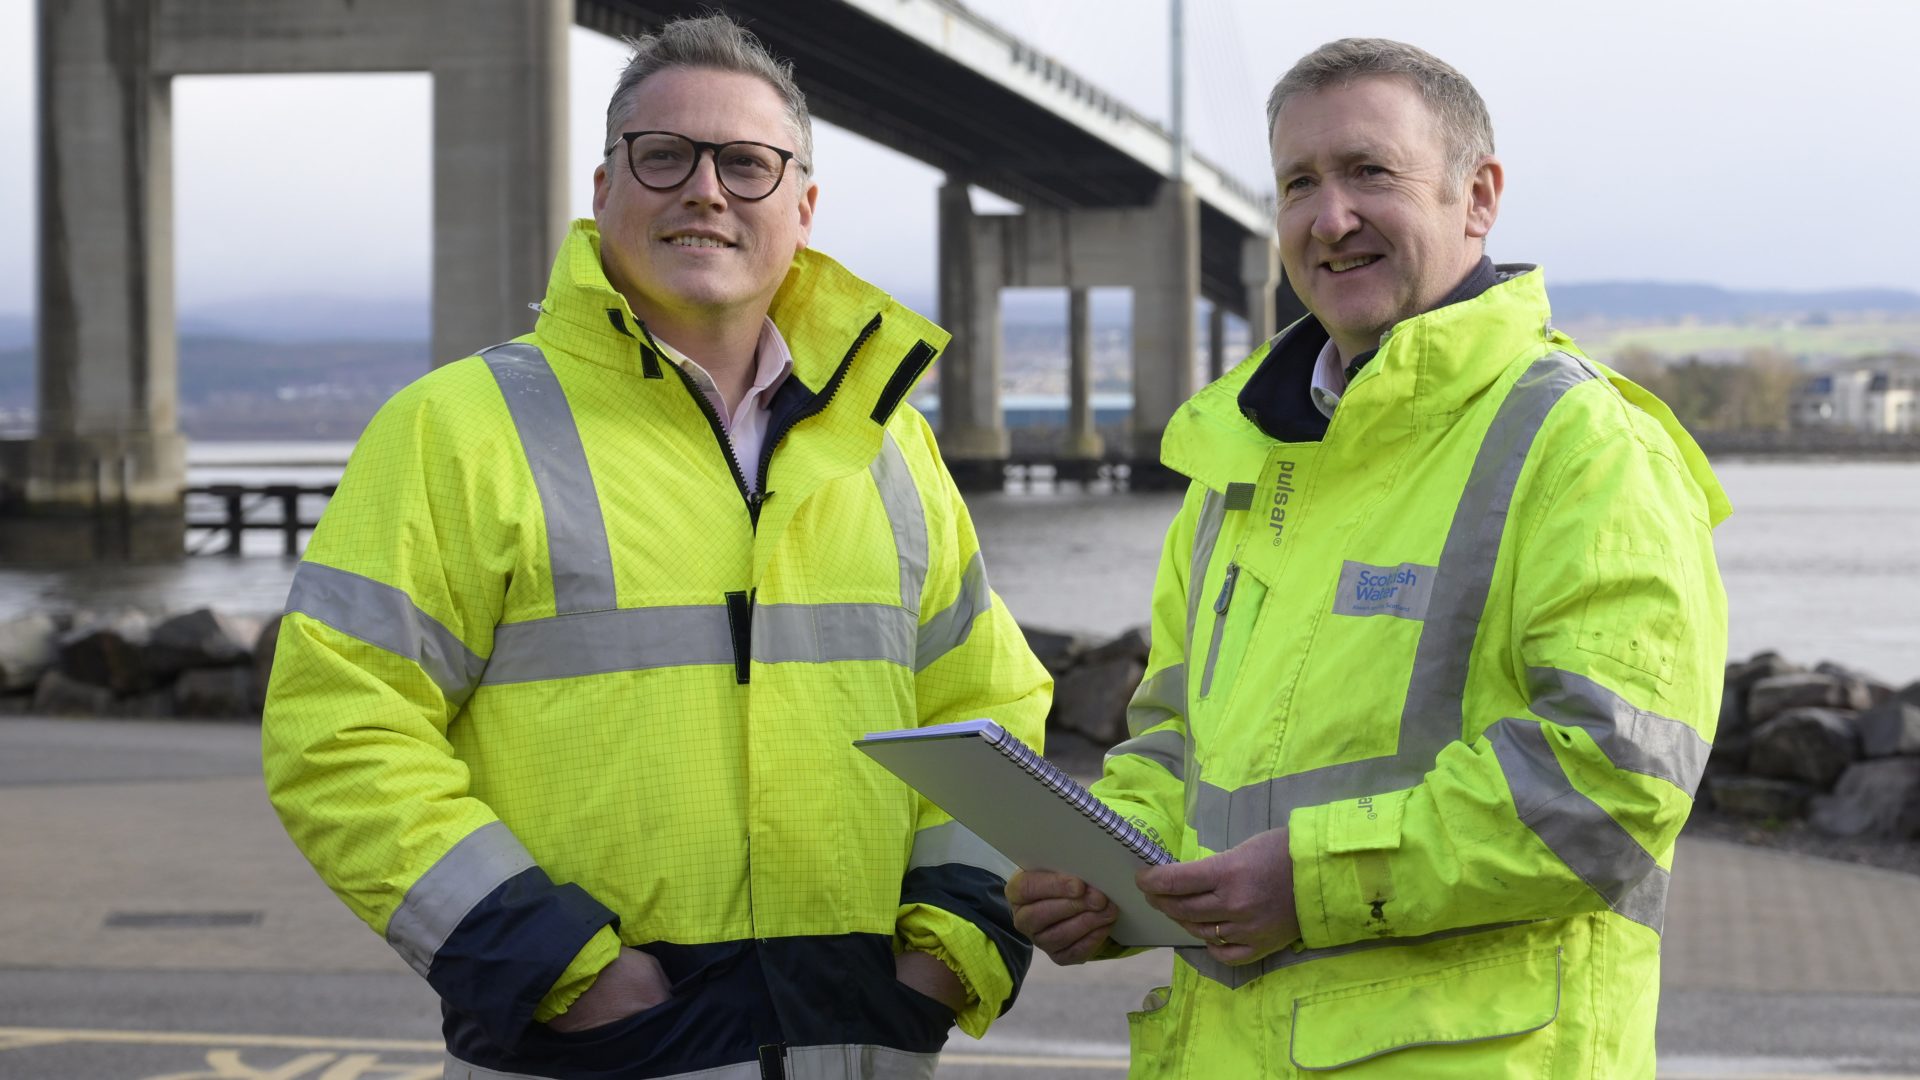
<point x="848" y="338"/>
<point x="1432" y="363"/>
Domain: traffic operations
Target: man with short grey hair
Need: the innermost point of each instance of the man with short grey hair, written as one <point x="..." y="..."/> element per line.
<point x="1437" y="644"/>
<point x="565" y="693"/>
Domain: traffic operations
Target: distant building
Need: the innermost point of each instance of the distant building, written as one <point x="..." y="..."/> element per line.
<point x="1863" y="399"/>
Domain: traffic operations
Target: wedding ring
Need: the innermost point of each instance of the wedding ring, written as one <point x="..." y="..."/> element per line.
<point x="1217" y="938"/>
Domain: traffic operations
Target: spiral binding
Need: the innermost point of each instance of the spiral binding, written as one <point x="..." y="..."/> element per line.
<point x="1081" y="799"/>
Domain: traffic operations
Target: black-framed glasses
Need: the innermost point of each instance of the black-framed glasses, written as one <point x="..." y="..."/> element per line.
<point x="663" y="160"/>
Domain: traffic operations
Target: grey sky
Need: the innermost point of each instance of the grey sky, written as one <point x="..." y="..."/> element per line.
<point x="1755" y="144"/>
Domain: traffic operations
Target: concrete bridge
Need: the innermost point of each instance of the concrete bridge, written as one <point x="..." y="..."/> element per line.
<point x="1108" y="200"/>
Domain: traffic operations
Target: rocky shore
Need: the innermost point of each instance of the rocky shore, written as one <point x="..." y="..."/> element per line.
<point x="1821" y="759"/>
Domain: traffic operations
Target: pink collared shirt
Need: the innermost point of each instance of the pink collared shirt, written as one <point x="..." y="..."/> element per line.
<point x="745" y="424"/>
<point x="1329" y="380"/>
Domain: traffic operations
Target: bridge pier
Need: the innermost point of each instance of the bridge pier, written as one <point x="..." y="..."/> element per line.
<point x="102" y="478"/>
<point x="1153" y="249"/>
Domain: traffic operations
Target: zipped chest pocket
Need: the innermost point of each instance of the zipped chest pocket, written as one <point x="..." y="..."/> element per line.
<point x="1235" y="610"/>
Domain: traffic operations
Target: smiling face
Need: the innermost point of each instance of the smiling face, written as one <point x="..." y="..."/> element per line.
<point x="697" y="256"/>
<point x="1373" y="226"/>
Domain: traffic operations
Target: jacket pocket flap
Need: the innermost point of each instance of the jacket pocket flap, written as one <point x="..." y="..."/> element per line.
<point x="1486" y="999"/>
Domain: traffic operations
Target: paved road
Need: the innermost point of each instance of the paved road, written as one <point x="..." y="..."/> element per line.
<point x="155" y="924"/>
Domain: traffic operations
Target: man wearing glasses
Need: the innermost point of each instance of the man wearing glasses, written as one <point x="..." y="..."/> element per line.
<point x="564" y="694"/>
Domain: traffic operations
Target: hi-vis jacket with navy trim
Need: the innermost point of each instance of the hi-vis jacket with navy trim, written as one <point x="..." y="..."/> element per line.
<point x="1467" y="647"/>
<point x="550" y="682"/>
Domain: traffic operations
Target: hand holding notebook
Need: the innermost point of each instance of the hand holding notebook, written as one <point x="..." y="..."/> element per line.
<point x="1031" y="812"/>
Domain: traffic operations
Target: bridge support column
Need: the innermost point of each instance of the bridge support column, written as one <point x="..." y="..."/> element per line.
<point x="1163" y="330"/>
<point x="1080" y="457"/>
<point x="102" y="479"/>
<point x="973" y="434"/>
<point x="1260" y="273"/>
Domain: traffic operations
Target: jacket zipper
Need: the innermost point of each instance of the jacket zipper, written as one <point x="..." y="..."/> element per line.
<point x="819" y="403"/>
<point x="1220" y="605"/>
<point x="751" y="498"/>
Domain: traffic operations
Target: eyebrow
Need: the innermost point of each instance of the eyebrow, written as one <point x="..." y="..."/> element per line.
<point x="1351" y="154"/>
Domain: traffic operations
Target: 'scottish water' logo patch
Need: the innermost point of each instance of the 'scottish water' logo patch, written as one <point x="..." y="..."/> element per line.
<point x="1401" y="591"/>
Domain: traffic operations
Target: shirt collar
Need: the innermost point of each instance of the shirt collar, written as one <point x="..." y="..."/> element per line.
<point x="772" y="363"/>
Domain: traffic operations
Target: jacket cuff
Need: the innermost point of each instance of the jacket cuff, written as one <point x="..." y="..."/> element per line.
<point x="1342" y="873"/>
<point x="959" y="944"/>
<point x="593" y="957"/>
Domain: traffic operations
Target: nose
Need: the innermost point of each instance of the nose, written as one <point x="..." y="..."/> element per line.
<point x="1334" y="218"/>
<point x="703" y="188"/>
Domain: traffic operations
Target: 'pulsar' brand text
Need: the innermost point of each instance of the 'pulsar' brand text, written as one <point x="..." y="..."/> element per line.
<point x="1282" y="495"/>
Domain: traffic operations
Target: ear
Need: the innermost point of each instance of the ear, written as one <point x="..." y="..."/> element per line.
<point x="808" y="199"/>
<point x="1489" y="179"/>
<point x="602" y="184"/>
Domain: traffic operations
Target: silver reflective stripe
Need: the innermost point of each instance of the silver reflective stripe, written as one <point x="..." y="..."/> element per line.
<point x="901" y="498"/>
<point x="1162" y="697"/>
<point x="823" y="633"/>
<point x="1575" y="828"/>
<point x="1167" y="749"/>
<point x="437" y="903"/>
<point x="953" y="842"/>
<point x="949" y="628"/>
<point x="1634" y="739"/>
<point x="852" y="1061"/>
<point x="1431" y="717"/>
<point x="1206" y="533"/>
<point x="387" y="618"/>
<point x="455" y="1069"/>
<point x="576" y="534"/>
<point x="596" y="643"/>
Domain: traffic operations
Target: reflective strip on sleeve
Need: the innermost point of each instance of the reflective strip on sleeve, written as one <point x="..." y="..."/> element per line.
<point x="1431" y="717"/>
<point x="948" y="629"/>
<point x="577" y="546"/>
<point x="386" y="618"/>
<point x="823" y="633"/>
<point x="598" y="643"/>
<point x="1633" y="739"/>
<point x="1160" y="698"/>
<point x="1167" y="749"/>
<point x="901" y="498"/>
<point x="952" y="842"/>
<point x="1578" y="831"/>
<point x="464" y="876"/>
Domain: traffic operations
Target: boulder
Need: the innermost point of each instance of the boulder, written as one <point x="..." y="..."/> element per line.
<point x="1091" y="698"/>
<point x="1759" y="797"/>
<point x="1892" y="726"/>
<point x="1874" y="798"/>
<point x="263" y="661"/>
<point x="1776" y="694"/>
<point x="221" y="692"/>
<point x="1057" y="651"/>
<point x="1810" y="744"/>
<point x="1740" y="679"/>
<point x="108" y="651"/>
<point x="1731" y="749"/>
<point x="27" y="650"/>
<point x="60" y="694"/>
<point x="1863" y="690"/>
<point x="198" y="639"/>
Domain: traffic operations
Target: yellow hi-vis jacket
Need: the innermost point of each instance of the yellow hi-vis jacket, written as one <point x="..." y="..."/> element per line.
<point x="550" y="681"/>
<point x="1467" y="647"/>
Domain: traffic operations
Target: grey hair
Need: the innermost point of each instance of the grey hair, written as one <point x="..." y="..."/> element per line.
<point x="714" y="43"/>
<point x="1464" y="123"/>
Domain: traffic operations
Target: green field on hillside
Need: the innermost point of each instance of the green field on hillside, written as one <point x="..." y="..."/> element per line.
<point x="1839" y="340"/>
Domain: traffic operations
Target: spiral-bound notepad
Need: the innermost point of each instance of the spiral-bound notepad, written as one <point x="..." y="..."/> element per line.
<point x="1032" y="813"/>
